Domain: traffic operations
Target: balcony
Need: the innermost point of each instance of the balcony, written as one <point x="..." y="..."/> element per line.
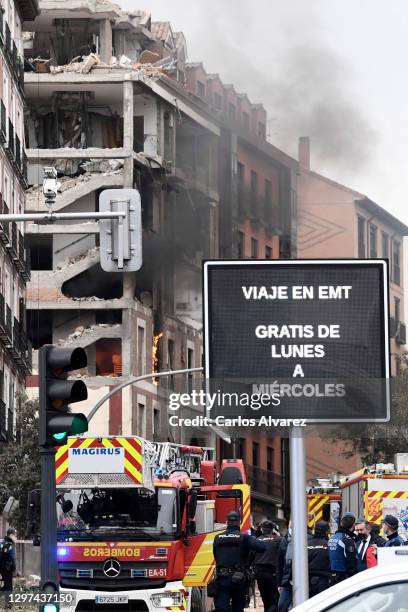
<point x="24" y="169"/>
<point x="15" y="346"/>
<point x="14" y="59"/>
<point x="8" y="45"/>
<point x="3" y="332"/>
<point x="17" y="160"/>
<point x="4" y="225"/>
<point x="11" y="143"/>
<point x="3" y="410"/>
<point x="12" y="245"/>
<point x="265" y="484"/>
<point x="3" y="123"/>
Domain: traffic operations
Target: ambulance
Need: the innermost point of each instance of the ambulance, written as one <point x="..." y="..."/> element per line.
<point x="136" y="522"/>
<point x="378" y="490"/>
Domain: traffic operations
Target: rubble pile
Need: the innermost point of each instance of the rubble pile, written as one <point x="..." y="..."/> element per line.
<point x="82" y="330"/>
<point x="86" y="63"/>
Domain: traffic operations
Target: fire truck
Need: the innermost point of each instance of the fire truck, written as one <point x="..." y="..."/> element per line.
<point x="377" y="490"/>
<point x="324" y="502"/>
<point x="136" y="521"/>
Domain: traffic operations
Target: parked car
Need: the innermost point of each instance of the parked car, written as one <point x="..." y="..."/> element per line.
<point x="379" y="589"/>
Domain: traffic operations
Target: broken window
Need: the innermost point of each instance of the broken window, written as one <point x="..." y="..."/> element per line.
<point x="39" y="327"/>
<point x="108" y="317"/>
<point x="108" y="357"/>
<point x="40" y="251"/>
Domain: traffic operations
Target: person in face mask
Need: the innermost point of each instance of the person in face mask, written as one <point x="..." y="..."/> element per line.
<point x="8" y="562"/>
<point x="390" y="529"/>
<point x="363" y="543"/>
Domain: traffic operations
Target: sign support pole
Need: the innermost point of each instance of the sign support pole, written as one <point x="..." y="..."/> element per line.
<point x="298" y="516"/>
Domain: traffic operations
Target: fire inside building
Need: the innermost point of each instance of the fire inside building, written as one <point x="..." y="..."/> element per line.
<point x="113" y="102"/>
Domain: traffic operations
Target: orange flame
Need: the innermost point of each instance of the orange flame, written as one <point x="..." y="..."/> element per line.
<point x="155" y="356"/>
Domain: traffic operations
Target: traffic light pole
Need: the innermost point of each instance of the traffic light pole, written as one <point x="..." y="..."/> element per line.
<point x="49" y="567"/>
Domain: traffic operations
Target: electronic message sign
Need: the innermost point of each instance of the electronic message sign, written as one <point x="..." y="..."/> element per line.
<point x="312" y="332"/>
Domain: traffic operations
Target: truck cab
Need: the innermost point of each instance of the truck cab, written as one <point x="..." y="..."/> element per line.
<point x="140" y="539"/>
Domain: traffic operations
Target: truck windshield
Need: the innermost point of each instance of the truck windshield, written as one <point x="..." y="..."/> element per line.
<point x="136" y="514"/>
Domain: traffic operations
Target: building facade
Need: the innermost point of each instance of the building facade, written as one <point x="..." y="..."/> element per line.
<point x="15" y="348"/>
<point x="114" y="103"/>
<point x="336" y="221"/>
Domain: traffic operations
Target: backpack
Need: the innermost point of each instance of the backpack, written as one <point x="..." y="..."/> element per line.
<point x="7" y="557"/>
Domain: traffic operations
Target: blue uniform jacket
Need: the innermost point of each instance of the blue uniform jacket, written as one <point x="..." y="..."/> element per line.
<point x="342" y="552"/>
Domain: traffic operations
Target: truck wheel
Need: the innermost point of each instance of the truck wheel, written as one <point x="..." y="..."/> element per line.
<point x="197" y="600"/>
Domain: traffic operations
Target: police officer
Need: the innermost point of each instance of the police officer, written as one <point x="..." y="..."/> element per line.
<point x="342" y="550"/>
<point x="318" y="559"/>
<point x="231" y="553"/>
<point x="8" y="562"/>
<point x="265" y="567"/>
<point x="390" y="529"/>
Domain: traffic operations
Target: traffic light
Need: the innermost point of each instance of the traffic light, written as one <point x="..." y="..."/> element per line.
<point x="57" y="393"/>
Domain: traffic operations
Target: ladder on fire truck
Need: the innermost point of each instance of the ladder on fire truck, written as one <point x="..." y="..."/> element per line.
<point x="167" y="457"/>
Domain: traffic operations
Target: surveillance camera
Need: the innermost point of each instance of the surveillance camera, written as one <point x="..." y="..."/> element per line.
<point x="50" y="184"/>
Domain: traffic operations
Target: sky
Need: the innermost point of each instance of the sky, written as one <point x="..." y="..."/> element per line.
<point x="333" y="70"/>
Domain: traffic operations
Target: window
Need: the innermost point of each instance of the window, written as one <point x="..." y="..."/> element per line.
<point x="254" y="248"/>
<point x="261" y="130"/>
<point x="384" y="597"/>
<point x="217" y="101"/>
<point x="241" y="245"/>
<point x="201" y="89"/>
<point x="156" y="422"/>
<point x="255" y="453"/>
<point x="361" y="237"/>
<point x="254" y="191"/>
<point x="373" y="241"/>
<point x="268" y="201"/>
<point x="190" y="364"/>
<point x="241" y="188"/>
<point x="269" y="459"/>
<point x="141" y="420"/>
<point x="231" y="111"/>
<point x="245" y="120"/>
<point x="397" y="310"/>
<point x="141" y="357"/>
<point x="170" y="360"/>
<point x="268" y="252"/>
<point x="385" y="245"/>
<point x="396" y="269"/>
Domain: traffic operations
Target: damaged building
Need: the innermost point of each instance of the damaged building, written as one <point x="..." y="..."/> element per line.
<point x="15" y="348"/>
<point x="113" y="102"/>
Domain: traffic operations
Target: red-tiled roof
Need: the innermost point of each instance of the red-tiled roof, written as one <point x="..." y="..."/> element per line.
<point x="160" y="29"/>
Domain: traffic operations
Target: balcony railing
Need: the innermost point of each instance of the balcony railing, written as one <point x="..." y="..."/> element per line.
<point x="11" y="145"/>
<point x="9" y="323"/>
<point x="15" y="58"/>
<point x="12" y="245"/>
<point x="3" y="122"/>
<point x="265" y="482"/>
<point x="24" y="166"/>
<point x="4" y="225"/>
<point x="18" y="154"/>
<point x="8" y="41"/>
<point x="3" y="410"/>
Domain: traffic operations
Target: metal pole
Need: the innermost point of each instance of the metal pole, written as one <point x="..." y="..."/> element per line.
<point x="298" y="516"/>
<point x="51" y="216"/>
<point x="49" y="570"/>
<point x="132" y="381"/>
